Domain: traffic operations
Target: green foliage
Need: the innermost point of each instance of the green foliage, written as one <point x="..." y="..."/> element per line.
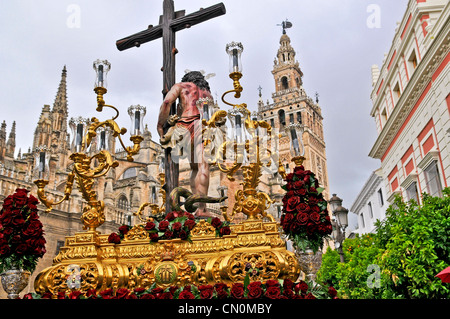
<point x="401" y="260"/>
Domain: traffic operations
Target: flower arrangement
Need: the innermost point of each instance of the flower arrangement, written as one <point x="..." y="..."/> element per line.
<point x="305" y="218"/>
<point x="21" y="233"/>
<point x="271" y="289"/>
<point x="174" y="225"/>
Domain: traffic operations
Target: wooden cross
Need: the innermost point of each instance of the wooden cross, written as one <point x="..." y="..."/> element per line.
<point x="169" y="23"/>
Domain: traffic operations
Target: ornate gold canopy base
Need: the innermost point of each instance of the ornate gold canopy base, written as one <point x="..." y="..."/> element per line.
<point x="89" y="261"/>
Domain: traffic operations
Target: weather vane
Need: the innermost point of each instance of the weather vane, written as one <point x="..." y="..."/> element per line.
<point x="285" y="25"/>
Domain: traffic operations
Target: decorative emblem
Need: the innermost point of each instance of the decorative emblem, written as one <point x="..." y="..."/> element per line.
<point x="166" y="273"/>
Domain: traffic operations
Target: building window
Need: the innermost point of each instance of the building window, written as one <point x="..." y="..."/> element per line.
<point x="129" y="173"/>
<point x="59" y="244"/>
<point x="370" y="210"/>
<point x="123" y="202"/>
<point x="396" y="93"/>
<point x="432" y="180"/>
<point x="412" y="193"/>
<point x="282" y="118"/>
<point x="284" y="83"/>
<point x="380" y="197"/>
<point x="272" y="123"/>
<point x="291" y="118"/>
<point x="412" y="62"/>
<point x="363" y="225"/>
<point x="299" y="117"/>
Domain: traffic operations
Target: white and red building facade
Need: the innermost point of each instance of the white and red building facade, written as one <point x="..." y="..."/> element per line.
<point x="411" y="103"/>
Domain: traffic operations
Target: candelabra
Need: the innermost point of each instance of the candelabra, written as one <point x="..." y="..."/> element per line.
<point x="87" y="168"/>
<point x="248" y="146"/>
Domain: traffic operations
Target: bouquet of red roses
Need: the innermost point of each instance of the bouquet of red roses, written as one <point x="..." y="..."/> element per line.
<point x="174" y="225"/>
<point x="305" y="217"/>
<point x="21" y="233"/>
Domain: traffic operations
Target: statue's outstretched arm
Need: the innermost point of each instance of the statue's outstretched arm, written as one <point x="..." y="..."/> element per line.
<point x="164" y="111"/>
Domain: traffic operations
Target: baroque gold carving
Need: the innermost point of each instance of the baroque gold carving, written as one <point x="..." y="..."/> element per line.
<point x="253" y="246"/>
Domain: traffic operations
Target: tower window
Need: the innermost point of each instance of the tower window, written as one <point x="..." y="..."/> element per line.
<point x="282" y="117"/>
<point x="284" y="83"/>
<point x="299" y="117"/>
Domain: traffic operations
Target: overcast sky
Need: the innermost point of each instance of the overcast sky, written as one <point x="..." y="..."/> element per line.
<point x="336" y="42"/>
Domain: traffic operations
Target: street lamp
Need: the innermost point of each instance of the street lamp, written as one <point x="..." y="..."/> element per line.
<point x="339" y="224"/>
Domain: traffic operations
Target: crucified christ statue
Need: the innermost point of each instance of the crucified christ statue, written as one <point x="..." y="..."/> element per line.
<point x="187" y="128"/>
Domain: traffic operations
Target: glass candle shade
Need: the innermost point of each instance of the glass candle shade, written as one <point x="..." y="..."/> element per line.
<point x="234" y="50"/>
<point x="41" y="163"/>
<point x="137" y="114"/>
<point x="295" y="133"/>
<point x="205" y="108"/>
<point x="101" y="68"/>
<point x="78" y="127"/>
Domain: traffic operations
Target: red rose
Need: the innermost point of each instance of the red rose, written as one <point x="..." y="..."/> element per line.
<point x="124" y="229"/>
<point x="225" y="231"/>
<point x="255" y="290"/>
<point x="185" y="294"/>
<point x="289" y="293"/>
<point x="206" y="291"/>
<point x="302" y="208"/>
<point x="237" y="291"/>
<point x="289" y="177"/>
<point x="272" y="283"/>
<point x="216" y="222"/>
<point x="114" y="238"/>
<point x="61" y="295"/>
<point x="292" y="203"/>
<point x="332" y="292"/>
<point x="131" y="296"/>
<point x="300" y="192"/>
<point x="302" y="218"/>
<point x="150" y="226"/>
<point x="189" y="215"/>
<point x="21" y="249"/>
<point x="154" y="237"/>
<point x="166" y="295"/>
<point x="168" y="234"/>
<point x="34" y="229"/>
<point x="157" y="292"/>
<point x="190" y="223"/>
<point x="183" y="235"/>
<point x="176" y="226"/>
<point x="298" y="184"/>
<point x="170" y="216"/>
<point x="147" y="296"/>
<point x="106" y="294"/>
<point x="273" y="293"/>
<point x="163" y="225"/>
<point x="301" y="286"/>
<point x="4" y="247"/>
<point x="121" y="293"/>
<point x="312" y="190"/>
<point x="75" y="294"/>
<point x="315" y="217"/>
<point x="91" y="293"/>
<point x="288" y="284"/>
<point x="310" y="296"/>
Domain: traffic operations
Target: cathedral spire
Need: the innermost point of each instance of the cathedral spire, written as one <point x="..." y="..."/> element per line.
<point x="60" y="103"/>
<point x="11" y="144"/>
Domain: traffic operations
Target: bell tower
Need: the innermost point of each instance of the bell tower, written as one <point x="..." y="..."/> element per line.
<point x="291" y="104"/>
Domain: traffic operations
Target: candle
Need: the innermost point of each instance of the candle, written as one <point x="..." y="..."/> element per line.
<point x="235" y="60"/>
<point x="137" y="122"/>
<point x="295" y="143"/>
<point x="206" y="111"/>
<point x="79" y="138"/>
<point x="103" y="140"/>
<point x="238" y="129"/>
<point x="100" y="75"/>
